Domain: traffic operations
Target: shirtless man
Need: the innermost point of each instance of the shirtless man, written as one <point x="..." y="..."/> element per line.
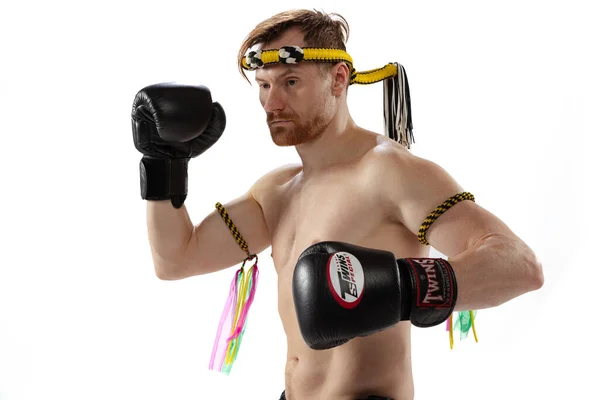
<point x="352" y="187"/>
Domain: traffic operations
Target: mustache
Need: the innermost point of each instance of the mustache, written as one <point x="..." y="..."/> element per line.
<point x="272" y="117"/>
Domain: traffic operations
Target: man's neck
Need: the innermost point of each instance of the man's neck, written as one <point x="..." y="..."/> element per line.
<point x="338" y="144"/>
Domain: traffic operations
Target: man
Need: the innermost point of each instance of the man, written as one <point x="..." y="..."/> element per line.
<point x="356" y="195"/>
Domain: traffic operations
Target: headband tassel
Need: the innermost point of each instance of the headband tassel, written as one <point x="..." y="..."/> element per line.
<point x="397" y="108"/>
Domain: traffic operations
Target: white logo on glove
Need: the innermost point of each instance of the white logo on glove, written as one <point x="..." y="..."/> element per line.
<point x="346" y="279"/>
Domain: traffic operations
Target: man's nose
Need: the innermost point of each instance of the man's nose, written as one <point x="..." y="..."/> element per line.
<point x="275" y="101"/>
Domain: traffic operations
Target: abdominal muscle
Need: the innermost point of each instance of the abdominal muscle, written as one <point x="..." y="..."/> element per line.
<point x="379" y="364"/>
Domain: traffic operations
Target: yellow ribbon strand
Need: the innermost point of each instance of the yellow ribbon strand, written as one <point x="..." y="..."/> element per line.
<point x="241" y="301"/>
<point x="472" y="314"/>
<point x="451" y="333"/>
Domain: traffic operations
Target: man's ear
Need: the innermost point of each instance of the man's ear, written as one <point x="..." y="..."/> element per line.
<point x="341" y="76"/>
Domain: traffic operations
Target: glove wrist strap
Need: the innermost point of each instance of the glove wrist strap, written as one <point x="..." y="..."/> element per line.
<point x="164" y="179"/>
<point x="432" y="294"/>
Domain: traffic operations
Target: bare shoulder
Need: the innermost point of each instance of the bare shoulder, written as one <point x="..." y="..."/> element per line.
<point x="410" y="186"/>
<point x="275" y="177"/>
<point x="393" y="158"/>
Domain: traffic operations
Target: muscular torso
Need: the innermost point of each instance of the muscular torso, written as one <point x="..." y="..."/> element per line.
<point x="340" y="204"/>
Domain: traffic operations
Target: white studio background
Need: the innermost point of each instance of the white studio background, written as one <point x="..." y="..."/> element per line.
<point x="504" y="97"/>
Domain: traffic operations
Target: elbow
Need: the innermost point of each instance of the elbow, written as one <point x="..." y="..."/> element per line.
<point x="166" y="271"/>
<point x="538" y="277"/>
<point x="164" y="274"/>
<point x="175" y="270"/>
<point x="535" y="272"/>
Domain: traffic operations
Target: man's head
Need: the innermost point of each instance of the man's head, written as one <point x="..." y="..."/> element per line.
<point x="300" y="99"/>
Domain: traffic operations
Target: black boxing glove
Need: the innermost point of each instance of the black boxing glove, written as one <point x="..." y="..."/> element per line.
<point x="342" y="291"/>
<point x="171" y="124"/>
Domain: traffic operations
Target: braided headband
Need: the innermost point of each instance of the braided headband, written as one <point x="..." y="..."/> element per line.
<point x="397" y="113"/>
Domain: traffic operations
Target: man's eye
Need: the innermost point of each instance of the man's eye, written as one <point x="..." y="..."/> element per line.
<point x="291" y="82"/>
<point x="264" y="86"/>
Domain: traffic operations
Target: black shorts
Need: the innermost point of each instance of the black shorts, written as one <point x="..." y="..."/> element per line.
<point x="366" y="398"/>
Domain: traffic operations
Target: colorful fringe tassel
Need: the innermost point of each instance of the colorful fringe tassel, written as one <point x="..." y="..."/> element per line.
<point x="464" y="322"/>
<point x="235" y="317"/>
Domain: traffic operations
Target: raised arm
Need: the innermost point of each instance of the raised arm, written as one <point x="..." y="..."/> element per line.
<point x="181" y="250"/>
<point x="172" y="124"/>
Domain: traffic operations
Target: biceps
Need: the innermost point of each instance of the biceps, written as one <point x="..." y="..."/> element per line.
<point x="214" y="245"/>
<point x="462" y="226"/>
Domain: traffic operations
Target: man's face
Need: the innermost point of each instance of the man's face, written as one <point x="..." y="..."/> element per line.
<point x="297" y="98"/>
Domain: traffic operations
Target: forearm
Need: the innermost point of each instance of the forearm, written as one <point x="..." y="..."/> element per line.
<point x="495" y="271"/>
<point x="169" y="232"/>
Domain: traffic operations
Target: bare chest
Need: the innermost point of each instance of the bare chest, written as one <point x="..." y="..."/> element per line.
<point x="338" y="206"/>
<point x="343" y="206"/>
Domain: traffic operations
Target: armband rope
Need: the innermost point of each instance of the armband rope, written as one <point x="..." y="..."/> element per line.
<point x="465" y="319"/>
<point x="439" y="210"/>
<point x="235" y="314"/>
